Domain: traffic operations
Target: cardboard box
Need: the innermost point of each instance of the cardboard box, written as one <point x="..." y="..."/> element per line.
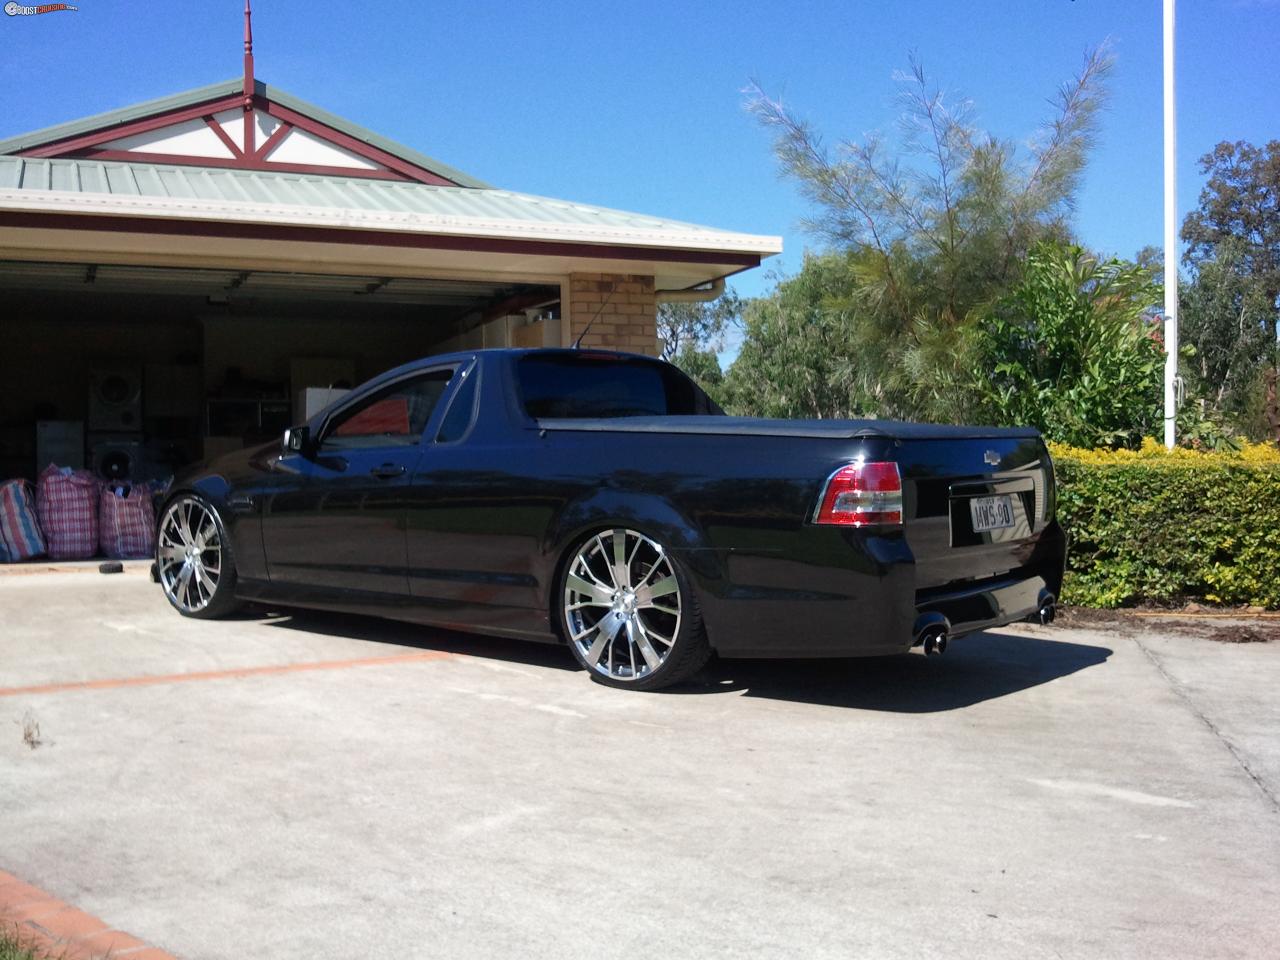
<point x="312" y="400"/>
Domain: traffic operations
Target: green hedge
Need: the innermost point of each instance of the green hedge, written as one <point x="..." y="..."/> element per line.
<point x="1152" y="526"/>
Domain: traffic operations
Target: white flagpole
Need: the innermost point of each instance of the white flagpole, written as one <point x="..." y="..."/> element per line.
<point x="1170" y="235"/>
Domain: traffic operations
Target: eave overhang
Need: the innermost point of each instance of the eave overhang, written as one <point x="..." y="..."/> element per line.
<point x="62" y="229"/>
<point x="74" y="209"/>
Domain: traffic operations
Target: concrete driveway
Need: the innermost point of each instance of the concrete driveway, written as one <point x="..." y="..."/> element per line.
<point x="319" y="786"/>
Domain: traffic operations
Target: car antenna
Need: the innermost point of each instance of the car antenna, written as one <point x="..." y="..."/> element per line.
<point x="577" y="344"/>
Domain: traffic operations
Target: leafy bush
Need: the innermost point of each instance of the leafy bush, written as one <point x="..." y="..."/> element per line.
<point x="1160" y="526"/>
<point x="1070" y="351"/>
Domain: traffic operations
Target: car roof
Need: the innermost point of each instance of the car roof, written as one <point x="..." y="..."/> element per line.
<point x="461" y="356"/>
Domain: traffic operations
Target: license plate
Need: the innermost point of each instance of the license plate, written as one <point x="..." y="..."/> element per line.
<point x="991" y="513"/>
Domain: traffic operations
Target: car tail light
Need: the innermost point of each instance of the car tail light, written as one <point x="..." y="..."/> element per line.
<point x="862" y="495"/>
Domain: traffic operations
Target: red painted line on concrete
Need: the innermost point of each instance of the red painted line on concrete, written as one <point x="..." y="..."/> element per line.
<point x="234" y="674"/>
<point x="42" y="921"/>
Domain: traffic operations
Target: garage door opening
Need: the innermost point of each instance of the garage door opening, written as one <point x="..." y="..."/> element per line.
<point x="133" y="371"/>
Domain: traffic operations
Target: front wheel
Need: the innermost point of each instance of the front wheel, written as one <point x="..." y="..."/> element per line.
<point x="629" y="613"/>
<point x="194" y="560"/>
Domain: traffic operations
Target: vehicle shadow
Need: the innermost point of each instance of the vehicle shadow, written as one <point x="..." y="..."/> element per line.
<point x="355" y="626"/>
<point x="979" y="667"/>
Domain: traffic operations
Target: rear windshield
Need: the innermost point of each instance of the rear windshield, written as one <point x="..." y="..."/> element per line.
<point x="572" y="386"/>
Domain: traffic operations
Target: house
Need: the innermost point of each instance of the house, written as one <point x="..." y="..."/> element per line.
<point x="176" y="274"/>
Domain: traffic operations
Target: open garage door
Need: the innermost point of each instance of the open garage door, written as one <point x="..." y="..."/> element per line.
<point x="133" y="370"/>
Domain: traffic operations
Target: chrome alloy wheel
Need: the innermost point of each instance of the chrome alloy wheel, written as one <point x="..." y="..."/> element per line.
<point x="189" y="555"/>
<point x="622" y="604"/>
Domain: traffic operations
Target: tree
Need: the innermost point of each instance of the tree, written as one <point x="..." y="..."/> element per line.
<point x="1073" y="350"/>
<point x="936" y="231"/>
<point x="703" y="366"/>
<point x="798" y="345"/>
<point x="1225" y="318"/>
<point x="692" y="334"/>
<point x="700" y="326"/>
<point x="1233" y="304"/>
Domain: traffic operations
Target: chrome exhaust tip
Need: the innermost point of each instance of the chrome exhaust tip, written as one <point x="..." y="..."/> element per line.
<point x="933" y="632"/>
<point x="1048" y="609"/>
<point x="935" y="642"/>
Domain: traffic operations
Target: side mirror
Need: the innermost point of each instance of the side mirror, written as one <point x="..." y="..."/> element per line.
<point x="295" y="440"/>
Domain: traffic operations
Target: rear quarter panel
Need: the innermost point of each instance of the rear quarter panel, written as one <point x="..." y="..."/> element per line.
<point x="735" y="511"/>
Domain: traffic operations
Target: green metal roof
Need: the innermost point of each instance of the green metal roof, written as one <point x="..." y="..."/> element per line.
<point x="195" y="191"/>
<point x="217" y="91"/>
<point x="368" y="136"/>
<point x="257" y="188"/>
<point x="116" y="118"/>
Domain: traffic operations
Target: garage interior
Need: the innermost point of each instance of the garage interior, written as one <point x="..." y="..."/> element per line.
<point x="134" y="371"/>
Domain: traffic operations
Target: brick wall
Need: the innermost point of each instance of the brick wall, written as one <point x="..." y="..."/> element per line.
<point x="627" y="314"/>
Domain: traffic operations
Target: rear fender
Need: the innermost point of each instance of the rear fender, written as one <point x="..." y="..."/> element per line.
<point x="649" y="514"/>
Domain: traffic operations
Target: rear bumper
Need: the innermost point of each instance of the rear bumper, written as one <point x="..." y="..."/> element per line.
<point x="1001" y="598"/>
<point x="867" y="599"/>
<point x="992" y="603"/>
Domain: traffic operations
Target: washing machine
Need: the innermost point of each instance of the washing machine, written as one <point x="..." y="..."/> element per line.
<point x="115" y="399"/>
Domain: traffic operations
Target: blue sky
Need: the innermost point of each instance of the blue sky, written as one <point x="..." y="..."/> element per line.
<point x="640" y="106"/>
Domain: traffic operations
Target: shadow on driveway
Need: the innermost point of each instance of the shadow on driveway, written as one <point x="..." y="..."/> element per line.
<point x="975" y="668"/>
<point x="355" y="626"/>
<point x="979" y="667"/>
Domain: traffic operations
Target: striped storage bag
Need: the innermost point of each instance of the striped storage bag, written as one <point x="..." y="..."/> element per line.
<point x="20" y="537"/>
<point x="67" y="504"/>
<point x="126" y="522"/>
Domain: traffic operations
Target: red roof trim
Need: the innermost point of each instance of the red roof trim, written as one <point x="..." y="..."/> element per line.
<point x="230" y="144"/>
<point x="239" y="163"/>
<point x="252" y="158"/>
<point x="62" y="148"/>
<point x="358" y="147"/>
<point x="247" y="86"/>
<point x="270" y="143"/>
<point x="296" y="234"/>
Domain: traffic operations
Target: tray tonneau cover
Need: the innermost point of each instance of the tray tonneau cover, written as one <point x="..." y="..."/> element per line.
<point x="760" y="427"/>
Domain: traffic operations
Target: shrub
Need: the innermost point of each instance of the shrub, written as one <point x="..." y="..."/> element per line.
<point x="1071" y="350"/>
<point x="1160" y="526"/>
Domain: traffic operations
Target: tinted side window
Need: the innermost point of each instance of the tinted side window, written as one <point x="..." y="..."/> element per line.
<point x="392" y="417"/>
<point x="568" y="386"/>
<point x="461" y="411"/>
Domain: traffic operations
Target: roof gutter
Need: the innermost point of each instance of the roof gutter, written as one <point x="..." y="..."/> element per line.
<point x="691" y="294"/>
<point x="709" y="243"/>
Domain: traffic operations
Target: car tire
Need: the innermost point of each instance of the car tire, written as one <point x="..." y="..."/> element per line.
<point x="195" y="561"/>
<point x="629" y="613"/>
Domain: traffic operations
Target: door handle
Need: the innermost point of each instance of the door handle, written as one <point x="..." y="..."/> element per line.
<point x="387" y="471"/>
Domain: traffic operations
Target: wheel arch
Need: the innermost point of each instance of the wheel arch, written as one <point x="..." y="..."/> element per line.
<point x="212" y="487"/>
<point x="650" y="514"/>
<point x="243" y="529"/>
<point x="220" y="596"/>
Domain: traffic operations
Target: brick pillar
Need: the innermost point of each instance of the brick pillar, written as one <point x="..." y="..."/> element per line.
<point x="627" y="312"/>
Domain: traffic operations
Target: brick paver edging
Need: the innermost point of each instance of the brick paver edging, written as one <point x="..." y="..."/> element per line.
<point x="54" y="927"/>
